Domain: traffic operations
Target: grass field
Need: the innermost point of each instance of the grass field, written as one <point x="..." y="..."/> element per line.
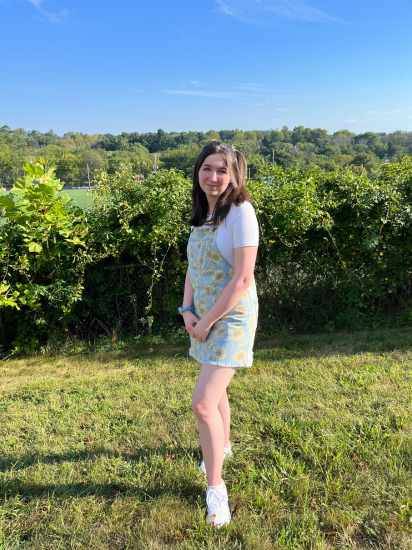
<point x="99" y="449"/>
<point x="80" y="197"/>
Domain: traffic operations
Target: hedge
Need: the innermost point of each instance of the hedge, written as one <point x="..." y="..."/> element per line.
<point x="335" y="252"/>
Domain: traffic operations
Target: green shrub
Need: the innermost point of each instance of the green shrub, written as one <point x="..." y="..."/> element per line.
<point x="43" y="255"/>
<point x="336" y="245"/>
<point x="335" y="252"/>
<point x="137" y="228"/>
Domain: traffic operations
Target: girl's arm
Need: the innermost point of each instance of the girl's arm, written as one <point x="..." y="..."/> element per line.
<point x="188" y="292"/>
<point x="243" y="269"/>
<point x="189" y="318"/>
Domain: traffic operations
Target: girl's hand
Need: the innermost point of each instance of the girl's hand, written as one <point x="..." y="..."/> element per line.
<point x="190" y="320"/>
<point x="201" y="330"/>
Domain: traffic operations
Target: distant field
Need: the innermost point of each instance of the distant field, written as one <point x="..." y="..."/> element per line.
<point x="81" y="197"/>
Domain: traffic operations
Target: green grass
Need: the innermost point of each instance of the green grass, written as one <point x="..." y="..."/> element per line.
<point x="99" y="450"/>
<point x="80" y="197"/>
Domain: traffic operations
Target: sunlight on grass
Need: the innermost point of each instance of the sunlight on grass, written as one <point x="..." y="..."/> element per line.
<point x="100" y="450"/>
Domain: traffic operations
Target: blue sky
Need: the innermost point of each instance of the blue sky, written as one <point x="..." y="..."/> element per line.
<point x="104" y="66"/>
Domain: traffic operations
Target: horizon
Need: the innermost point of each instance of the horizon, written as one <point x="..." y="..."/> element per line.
<point x="331" y="133"/>
<point x="95" y="68"/>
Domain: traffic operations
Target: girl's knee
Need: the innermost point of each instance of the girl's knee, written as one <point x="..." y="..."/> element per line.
<point x="203" y="410"/>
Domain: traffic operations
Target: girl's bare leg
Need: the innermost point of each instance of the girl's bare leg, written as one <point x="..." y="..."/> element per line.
<point x="224" y="410"/>
<point x="210" y="388"/>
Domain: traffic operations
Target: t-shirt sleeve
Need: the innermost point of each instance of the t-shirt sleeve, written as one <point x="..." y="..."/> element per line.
<point x="245" y="227"/>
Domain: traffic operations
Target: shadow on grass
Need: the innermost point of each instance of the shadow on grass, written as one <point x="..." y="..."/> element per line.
<point x="267" y="348"/>
<point x="330" y="344"/>
<point x="288" y="346"/>
<point x="111" y="491"/>
<point x="28" y="491"/>
<point x="144" y="454"/>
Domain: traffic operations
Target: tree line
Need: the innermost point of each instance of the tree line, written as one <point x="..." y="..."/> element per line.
<point x="79" y="157"/>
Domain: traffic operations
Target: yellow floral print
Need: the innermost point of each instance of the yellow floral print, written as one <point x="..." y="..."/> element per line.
<point x="230" y="341"/>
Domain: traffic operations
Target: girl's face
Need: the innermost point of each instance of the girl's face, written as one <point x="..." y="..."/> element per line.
<point x="214" y="176"/>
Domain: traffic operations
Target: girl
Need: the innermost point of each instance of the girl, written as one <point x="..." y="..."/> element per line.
<point x="220" y="305"/>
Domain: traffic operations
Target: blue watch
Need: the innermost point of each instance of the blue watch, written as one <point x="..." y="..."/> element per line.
<point x="183" y="309"/>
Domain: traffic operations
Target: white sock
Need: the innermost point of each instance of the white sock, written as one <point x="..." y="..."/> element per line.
<point x="221" y="488"/>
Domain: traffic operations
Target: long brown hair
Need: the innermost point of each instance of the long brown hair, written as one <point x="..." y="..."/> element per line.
<point x="235" y="193"/>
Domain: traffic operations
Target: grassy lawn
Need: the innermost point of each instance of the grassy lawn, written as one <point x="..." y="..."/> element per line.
<point x="80" y="197"/>
<point x="99" y="450"/>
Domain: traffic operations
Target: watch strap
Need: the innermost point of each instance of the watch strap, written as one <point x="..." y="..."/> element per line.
<point x="183" y="309"/>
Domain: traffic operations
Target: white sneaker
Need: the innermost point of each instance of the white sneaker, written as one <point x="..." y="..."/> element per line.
<point x="218" y="511"/>
<point x="227" y="453"/>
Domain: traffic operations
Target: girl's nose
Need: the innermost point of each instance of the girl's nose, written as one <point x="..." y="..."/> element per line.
<point x="213" y="176"/>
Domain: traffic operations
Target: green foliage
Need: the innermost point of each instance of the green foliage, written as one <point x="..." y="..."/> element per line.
<point x="336" y="245"/>
<point x="335" y="250"/>
<point x="10" y="162"/>
<point x="42" y="256"/>
<point x="183" y="159"/>
<point x="136" y="157"/>
<point x="79" y="157"/>
<point x="136" y="229"/>
<point x="130" y="212"/>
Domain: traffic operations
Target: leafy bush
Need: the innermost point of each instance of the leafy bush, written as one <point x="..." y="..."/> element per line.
<point x="137" y="229"/>
<point x="336" y="246"/>
<point x="335" y="251"/>
<point x="42" y="257"/>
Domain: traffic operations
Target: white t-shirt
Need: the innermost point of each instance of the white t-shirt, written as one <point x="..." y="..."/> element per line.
<point x="239" y="228"/>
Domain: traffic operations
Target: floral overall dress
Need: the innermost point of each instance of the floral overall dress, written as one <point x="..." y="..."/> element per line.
<point x="230" y="340"/>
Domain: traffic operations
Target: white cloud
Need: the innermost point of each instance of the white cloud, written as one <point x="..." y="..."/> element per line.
<point x="383" y="112"/>
<point x="260" y="11"/>
<point x="247" y="95"/>
<point x="52" y="16"/>
<point x="200" y="93"/>
<point x="245" y="90"/>
<point x="252" y="87"/>
<point x="225" y="9"/>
